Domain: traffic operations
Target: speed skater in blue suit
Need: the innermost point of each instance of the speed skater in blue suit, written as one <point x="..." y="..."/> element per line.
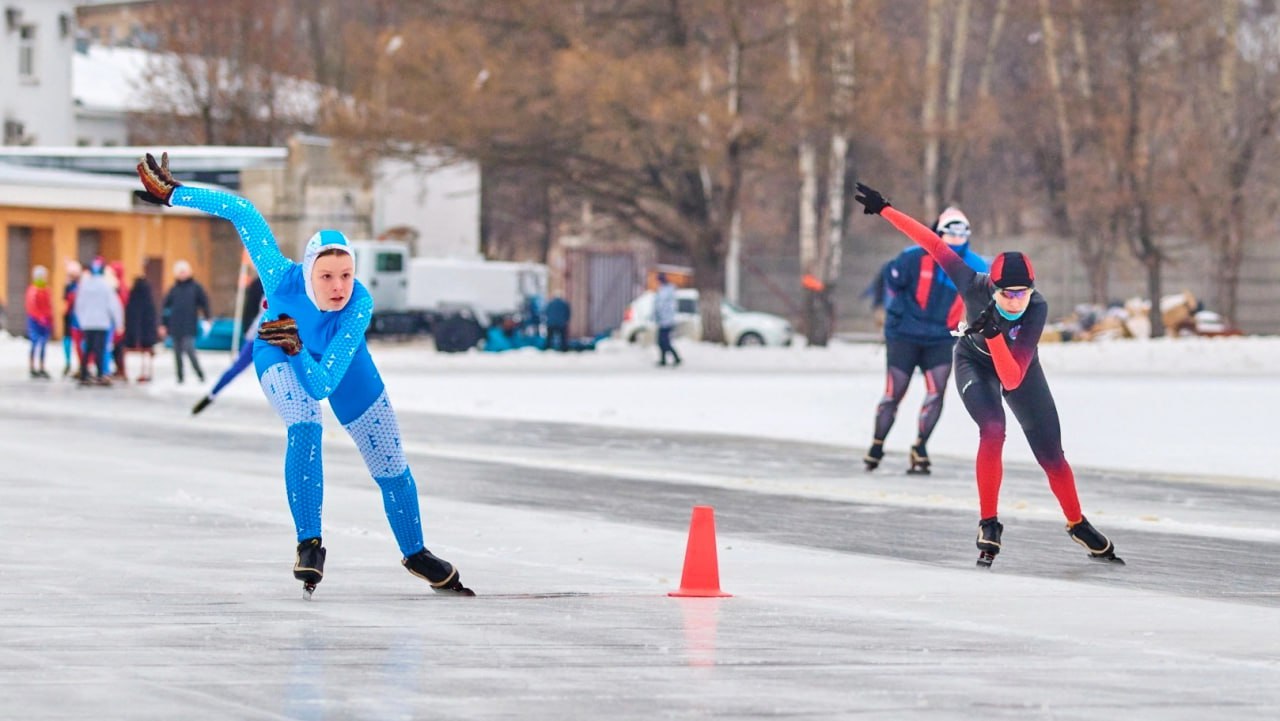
<point x="311" y="346"/>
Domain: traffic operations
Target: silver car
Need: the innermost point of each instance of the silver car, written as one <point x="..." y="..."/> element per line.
<point x="741" y="327"/>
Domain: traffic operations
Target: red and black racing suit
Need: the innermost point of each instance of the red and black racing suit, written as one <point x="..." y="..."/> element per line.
<point x="1005" y="366"/>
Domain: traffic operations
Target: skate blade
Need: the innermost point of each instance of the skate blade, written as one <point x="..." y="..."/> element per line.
<point x="455" y="590"/>
<point x="919" y="472"/>
<point x="307" y="590"/>
<point x="1115" y="560"/>
<point x="984" y="560"/>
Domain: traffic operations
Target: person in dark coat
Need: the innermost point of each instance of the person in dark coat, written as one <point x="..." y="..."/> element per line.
<point x="141" y="331"/>
<point x="252" y="306"/>
<point x="182" y="306"/>
<point x="558" y="324"/>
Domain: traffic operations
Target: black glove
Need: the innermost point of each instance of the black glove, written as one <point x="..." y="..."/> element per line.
<point x="281" y="333"/>
<point x="872" y="201"/>
<point x="988" y="323"/>
<point x="157" y="180"/>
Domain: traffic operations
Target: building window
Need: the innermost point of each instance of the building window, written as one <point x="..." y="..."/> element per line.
<point x="27" y="52"/>
<point x="15" y="133"/>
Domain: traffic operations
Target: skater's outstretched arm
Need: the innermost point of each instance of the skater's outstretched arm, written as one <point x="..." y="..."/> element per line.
<point x="255" y="234"/>
<point x="953" y="265"/>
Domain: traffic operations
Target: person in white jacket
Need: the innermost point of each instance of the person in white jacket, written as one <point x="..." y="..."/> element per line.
<point x="664" y="316"/>
<point x="98" y="310"/>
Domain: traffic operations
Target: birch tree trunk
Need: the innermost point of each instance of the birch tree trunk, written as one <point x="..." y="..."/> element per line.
<point x="820" y="308"/>
<point x="955" y="78"/>
<point x="733" y="259"/>
<point x="1092" y="236"/>
<point x="961" y="155"/>
<point x="808" y="170"/>
<point x="929" y="106"/>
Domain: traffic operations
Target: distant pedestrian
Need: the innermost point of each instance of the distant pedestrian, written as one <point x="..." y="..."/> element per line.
<point x="558" y="324"/>
<point x="664" y="316"/>
<point x="97" y="310"/>
<point x="141" y="330"/>
<point x="183" y="304"/>
<point x="39" y="319"/>
<point x="251" y="311"/>
<point x="115" y="276"/>
<point x="72" y="339"/>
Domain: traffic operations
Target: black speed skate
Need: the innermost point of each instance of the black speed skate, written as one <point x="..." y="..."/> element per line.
<point x="919" y="461"/>
<point x="874" y="455"/>
<point x="989" y="530"/>
<point x="438" y="572"/>
<point x="309" y="568"/>
<point x="1098" y="545"/>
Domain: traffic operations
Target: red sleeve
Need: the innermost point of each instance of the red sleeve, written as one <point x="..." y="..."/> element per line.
<point x="1013" y="358"/>
<point x="1010" y="370"/>
<point x="956" y="314"/>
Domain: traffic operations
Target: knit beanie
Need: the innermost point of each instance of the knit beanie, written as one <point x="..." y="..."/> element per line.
<point x="1012" y="269"/>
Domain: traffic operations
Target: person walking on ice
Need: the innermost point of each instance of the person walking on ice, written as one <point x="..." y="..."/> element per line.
<point x="995" y="363"/>
<point x="311" y="346"/>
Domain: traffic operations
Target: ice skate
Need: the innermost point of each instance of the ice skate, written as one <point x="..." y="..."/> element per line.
<point x="441" y="574"/>
<point x="1098" y="545"/>
<point x="919" y="461"/>
<point x="309" y="566"/>
<point x="200" y="405"/>
<point x="874" y="455"/>
<point x="989" y="530"/>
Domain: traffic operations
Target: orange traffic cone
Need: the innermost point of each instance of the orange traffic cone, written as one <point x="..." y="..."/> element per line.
<point x="701" y="570"/>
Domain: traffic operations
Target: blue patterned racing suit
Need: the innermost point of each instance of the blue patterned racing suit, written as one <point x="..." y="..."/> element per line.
<point x="334" y="364"/>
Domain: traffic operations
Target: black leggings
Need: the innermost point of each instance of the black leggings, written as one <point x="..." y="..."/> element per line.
<point x="903" y="357"/>
<point x="1032" y="404"/>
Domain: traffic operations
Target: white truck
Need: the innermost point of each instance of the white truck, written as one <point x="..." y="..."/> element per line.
<point x="454" y="299"/>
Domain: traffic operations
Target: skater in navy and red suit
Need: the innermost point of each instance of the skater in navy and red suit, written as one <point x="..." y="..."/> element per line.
<point x="996" y="363"/>
<point x="311" y="346"/>
<point x="922" y="307"/>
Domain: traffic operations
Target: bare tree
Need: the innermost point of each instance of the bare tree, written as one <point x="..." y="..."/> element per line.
<point x="929" y="105"/>
<point x="620" y="104"/>
<point x="225" y="74"/>
<point x="1235" y="106"/>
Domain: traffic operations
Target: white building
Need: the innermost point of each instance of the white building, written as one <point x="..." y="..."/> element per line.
<point x="73" y="105"/>
<point x="37" y="40"/>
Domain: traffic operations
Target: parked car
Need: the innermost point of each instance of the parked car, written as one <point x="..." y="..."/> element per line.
<point x="741" y="327"/>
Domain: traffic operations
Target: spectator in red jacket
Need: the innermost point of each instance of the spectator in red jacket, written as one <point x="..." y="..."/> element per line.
<point x="39" y="319"/>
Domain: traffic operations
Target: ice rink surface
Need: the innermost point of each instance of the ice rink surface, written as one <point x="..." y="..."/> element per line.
<point x="145" y="563"/>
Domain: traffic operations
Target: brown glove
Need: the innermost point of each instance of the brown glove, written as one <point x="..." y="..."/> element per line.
<point x="157" y="180"/>
<point x="281" y="333"/>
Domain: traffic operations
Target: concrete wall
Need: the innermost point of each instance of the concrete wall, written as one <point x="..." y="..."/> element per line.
<point x="42" y="101"/>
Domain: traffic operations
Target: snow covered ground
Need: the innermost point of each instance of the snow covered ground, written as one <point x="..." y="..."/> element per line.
<point x="1198" y="406"/>
<point x="144" y="553"/>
